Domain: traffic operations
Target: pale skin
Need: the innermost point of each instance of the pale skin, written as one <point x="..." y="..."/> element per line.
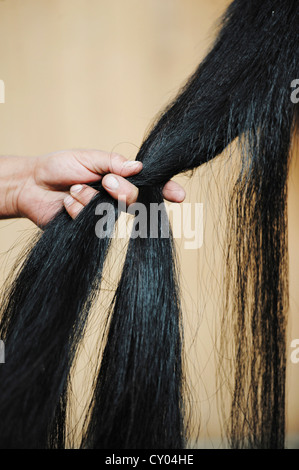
<point x="38" y="187"/>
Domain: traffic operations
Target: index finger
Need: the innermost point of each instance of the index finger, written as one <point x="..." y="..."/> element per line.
<point x="100" y="162"/>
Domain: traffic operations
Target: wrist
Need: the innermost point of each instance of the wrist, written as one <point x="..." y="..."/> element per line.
<point x="15" y="174"/>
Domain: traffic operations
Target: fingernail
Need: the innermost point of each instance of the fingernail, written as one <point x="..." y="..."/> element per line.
<point x="76" y="188"/>
<point x="131" y="163"/>
<point x="68" y="201"/>
<point x="110" y="182"/>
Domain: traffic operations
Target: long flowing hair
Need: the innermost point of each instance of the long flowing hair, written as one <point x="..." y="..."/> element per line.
<point x="241" y="90"/>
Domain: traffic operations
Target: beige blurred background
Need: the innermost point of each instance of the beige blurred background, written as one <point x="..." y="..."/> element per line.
<point x="93" y="74"/>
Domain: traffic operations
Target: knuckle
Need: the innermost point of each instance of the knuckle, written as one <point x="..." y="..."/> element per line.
<point x="77" y="154"/>
<point x="115" y="159"/>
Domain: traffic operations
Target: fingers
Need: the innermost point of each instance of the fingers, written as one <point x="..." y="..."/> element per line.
<point x="119" y="188"/>
<point x="115" y="185"/>
<point x="72" y="206"/>
<point x="102" y="163"/>
<point x="81" y="195"/>
<point x="173" y="192"/>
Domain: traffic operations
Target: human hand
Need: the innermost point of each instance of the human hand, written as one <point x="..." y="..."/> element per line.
<point x="52" y="177"/>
